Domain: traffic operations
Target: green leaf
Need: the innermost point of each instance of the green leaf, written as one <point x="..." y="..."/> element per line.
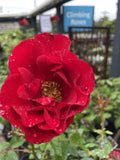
<point x="87" y="158"/>
<point x="90" y="145"/>
<point x="117" y="123"/>
<point x="99" y="153"/>
<point x="107" y="148"/>
<point x="72" y="149"/>
<point x="109" y="82"/>
<point x="90" y="118"/>
<point x="99" y="131"/>
<point x="31" y="156"/>
<point x="107" y="115"/>
<point x="82" y="154"/>
<point x="64" y="147"/>
<point x="108" y="132"/>
<point x="76" y="139"/>
<point x="3" y="146"/>
<point x="1" y="157"/>
<point x="16" y="142"/>
<point x="58" y="157"/>
<point x="10" y="155"/>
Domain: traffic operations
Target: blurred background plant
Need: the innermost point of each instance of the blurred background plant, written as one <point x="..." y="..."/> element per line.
<point x="9" y="39"/>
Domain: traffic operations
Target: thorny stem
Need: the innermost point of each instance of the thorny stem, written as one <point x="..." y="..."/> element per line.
<point x="33" y="151"/>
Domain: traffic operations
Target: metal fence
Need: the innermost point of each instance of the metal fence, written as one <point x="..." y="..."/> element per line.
<point x="91" y="44"/>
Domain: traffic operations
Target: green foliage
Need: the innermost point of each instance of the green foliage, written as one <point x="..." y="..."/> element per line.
<point x="101" y="21"/>
<point x="110" y="24"/>
<point x="7" y="149"/>
<point x="11" y="155"/>
<point x="16" y="142"/>
<point x="3" y="146"/>
<point x="10" y="39"/>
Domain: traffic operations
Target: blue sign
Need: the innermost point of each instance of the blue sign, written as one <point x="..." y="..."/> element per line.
<point x="78" y="16"/>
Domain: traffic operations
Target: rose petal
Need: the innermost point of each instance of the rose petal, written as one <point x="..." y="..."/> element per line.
<point x="80" y="73"/>
<point x="36" y="135"/>
<point x="51" y="119"/>
<point x="46" y="65"/>
<point x="26" y="75"/>
<point x="29" y="90"/>
<point x="44" y="126"/>
<point x="64" y="124"/>
<point x="25" y="55"/>
<point x="57" y="45"/>
<point x="75" y="109"/>
<point x="62" y="110"/>
<point x="30" y="119"/>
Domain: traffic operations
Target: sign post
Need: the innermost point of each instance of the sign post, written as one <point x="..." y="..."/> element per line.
<point x="78" y="16"/>
<point x="45" y="23"/>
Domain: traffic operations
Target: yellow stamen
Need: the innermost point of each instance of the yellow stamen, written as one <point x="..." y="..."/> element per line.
<point x="51" y="89"/>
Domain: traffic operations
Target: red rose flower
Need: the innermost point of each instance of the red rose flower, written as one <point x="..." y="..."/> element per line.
<point x="47" y="85"/>
<point x="115" y="154"/>
<point x="55" y="18"/>
<point x="23" y="22"/>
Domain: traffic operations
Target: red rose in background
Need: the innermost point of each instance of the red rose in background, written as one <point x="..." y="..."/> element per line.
<point x="114" y="154"/>
<point x="55" y="18"/>
<point x="47" y="85"/>
<point x="23" y="22"/>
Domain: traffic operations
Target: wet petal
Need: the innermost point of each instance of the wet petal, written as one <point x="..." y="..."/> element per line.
<point x="29" y="90"/>
<point x="51" y="119"/>
<point x="30" y="119"/>
<point x="25" y="55"/>
<point x="26" y="75"/>
<point x="57" y="45"/>
<point x="36" y="135"/>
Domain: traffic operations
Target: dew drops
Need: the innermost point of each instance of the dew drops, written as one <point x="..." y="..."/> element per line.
<point x="30" y="125"/>
<point x="2" y="112"/>
<point x="60" y="130"/>
<point x="83" y="102"/>
<point x="6" y="106"/>
<point x="34" y="135"/>
<point x="86" y="88"/>
<point x="29" y="65"/>
<point x="1" y="105"/>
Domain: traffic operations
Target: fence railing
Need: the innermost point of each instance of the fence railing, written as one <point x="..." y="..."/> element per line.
<point x="91" y="44"/>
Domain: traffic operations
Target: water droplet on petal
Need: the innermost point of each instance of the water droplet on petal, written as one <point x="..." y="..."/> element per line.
<point x="1" y="105"/>
<point x="6" y="106"/>
<point x="34" y="135"/>
<point x="30" y="125"/>
<point x="83" y="102"/>
<point x="86" y="88"/>
<point x="60" y="130"/>
<point x="2" y="112"/>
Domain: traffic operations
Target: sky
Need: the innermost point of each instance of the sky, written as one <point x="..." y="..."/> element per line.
<point x="101" y="7"/>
